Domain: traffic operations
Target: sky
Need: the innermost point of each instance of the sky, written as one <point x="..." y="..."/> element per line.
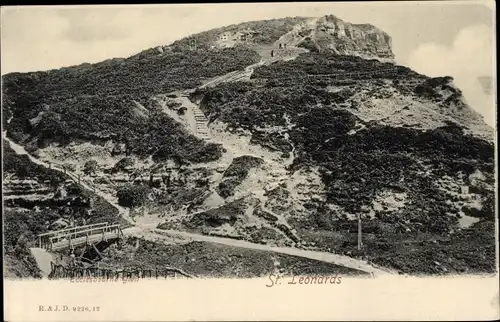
<point x="447" y="38"/>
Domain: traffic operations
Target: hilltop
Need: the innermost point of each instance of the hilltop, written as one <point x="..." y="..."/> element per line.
<point x="279" y="132"/>
<point x="328" y="33"/>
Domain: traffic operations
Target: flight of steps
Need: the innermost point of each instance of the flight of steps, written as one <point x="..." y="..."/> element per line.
<point x="201" y="124"/>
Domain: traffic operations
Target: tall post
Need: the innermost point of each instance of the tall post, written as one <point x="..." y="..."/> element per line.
<point x="360" y="242"/>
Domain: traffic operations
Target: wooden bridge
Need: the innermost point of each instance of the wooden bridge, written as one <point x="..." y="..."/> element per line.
<point x="76" y="236"/>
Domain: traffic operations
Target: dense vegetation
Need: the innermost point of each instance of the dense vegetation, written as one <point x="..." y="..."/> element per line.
<point x="267" y="32"/>
<point x="226" y="214"/>
<point x="236" y="173"/>
<point x="213" y="260"/>
<point x="97" y="102"/>
<point x="132" y="195"/>
<point x="354" y="166"/>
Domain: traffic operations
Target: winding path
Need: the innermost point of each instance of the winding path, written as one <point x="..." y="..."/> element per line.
<point x="316" y="255"/>
<point x="18" y="149"/>
<point x="151" y="233"/>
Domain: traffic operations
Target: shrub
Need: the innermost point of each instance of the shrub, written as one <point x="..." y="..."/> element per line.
<point x="90" y="167"/>
<point x="132" y="195"/>
<point x="123" y="164"/>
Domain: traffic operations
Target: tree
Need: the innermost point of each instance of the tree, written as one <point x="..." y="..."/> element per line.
<point x="90" y="167"/>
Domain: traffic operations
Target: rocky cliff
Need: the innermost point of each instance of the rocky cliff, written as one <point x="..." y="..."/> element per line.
<point x="343" y="38"/>
<point x="327" y="33"/>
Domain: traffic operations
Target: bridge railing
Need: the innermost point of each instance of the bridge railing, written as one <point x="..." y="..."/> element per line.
<point x="72" y="175"/>
<point x="72" y="229"/>
<point x="74" y="234"/>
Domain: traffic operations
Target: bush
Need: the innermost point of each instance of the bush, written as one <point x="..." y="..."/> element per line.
<point x="132" y="195"/>
<point x="236" y="173"/>
<point x="90" y="167"/>
<point x="123" y="164"/>
<point x="309" y="44"/>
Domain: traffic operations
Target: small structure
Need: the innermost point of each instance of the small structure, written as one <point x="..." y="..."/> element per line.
<point x="223" y="37"/>
<point x="464" y="190"/>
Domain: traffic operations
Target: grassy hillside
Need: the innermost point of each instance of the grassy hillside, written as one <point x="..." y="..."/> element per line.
<point x="96" y="102"/>
<point x="268" y="31"/>
<point x="359" y="160"/>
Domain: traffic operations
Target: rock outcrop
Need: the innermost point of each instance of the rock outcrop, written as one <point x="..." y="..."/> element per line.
<point x="344" y="38"/>
<point x="326" y="33"/>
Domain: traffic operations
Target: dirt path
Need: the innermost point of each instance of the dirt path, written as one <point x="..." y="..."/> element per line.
<point x="237" y="75"/>
<point x="154" y="234"/>
<point x="43" y="260"/>
<point x="316" y="255"/>
<point x="150" y="232"/>
<point x="18" y="149"/>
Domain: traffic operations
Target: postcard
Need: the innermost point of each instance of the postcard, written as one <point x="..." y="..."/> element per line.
<point x="250" y="161"/>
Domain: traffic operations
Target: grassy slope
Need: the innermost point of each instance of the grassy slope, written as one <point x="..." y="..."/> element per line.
<point x="95" y="102"/>
<point x="268" y="32"/>
<point x="355" y="166"/>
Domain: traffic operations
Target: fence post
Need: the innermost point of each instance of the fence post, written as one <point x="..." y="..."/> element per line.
<point x="360" y="242"/>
